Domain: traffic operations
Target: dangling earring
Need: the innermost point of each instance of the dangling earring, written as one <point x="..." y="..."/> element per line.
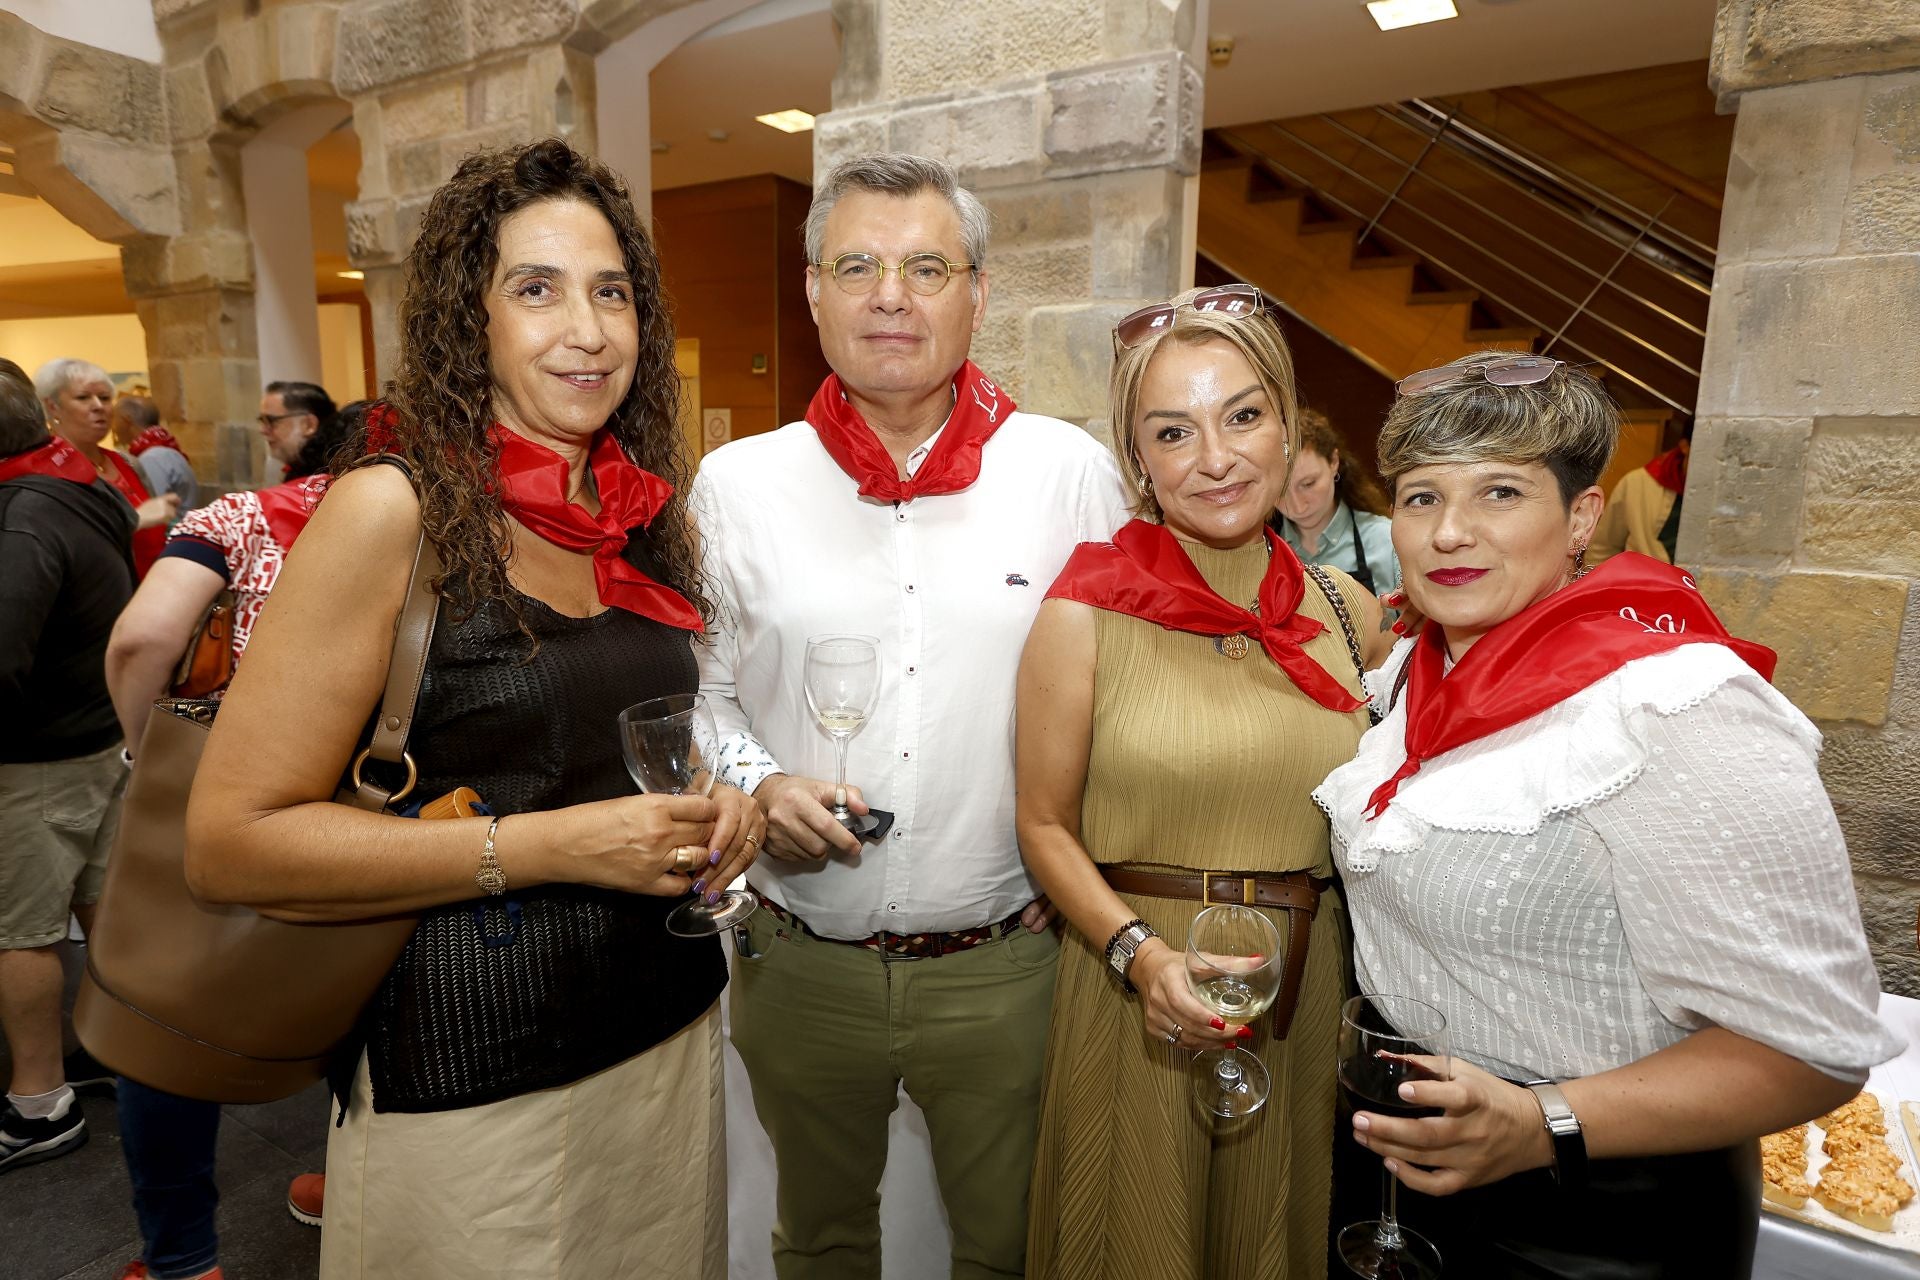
<point x="1580" y="566"/>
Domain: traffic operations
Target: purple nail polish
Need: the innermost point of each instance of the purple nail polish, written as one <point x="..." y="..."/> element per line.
<point x="713" y="897"/>
<point x="714" y="861"/>
<point x="699" y="886"/>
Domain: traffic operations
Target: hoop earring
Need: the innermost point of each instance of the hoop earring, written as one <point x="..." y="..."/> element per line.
<point x="1146" y="486"/>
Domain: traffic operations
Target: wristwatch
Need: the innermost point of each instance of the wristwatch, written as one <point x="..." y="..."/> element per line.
<point x="491" y="879"/>
<point x="1124" y="945"/>
<point x="1563" y="1127"/>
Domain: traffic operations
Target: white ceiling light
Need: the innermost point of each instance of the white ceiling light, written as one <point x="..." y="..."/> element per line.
<point x="792" y="120"/>
<point x="1390" y="15"/>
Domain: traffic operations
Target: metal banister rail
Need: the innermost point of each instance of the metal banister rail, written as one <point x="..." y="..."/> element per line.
<point x="1589" y="213"/>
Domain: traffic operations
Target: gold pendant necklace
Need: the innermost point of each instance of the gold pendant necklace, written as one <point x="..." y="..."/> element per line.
<point x="1236" y="646"/>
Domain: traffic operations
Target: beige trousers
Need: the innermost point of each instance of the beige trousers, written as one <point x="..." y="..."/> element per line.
<point x="621" y="1174"/>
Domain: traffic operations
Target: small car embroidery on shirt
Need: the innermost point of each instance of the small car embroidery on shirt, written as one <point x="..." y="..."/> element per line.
<point x="1015" y="580"/>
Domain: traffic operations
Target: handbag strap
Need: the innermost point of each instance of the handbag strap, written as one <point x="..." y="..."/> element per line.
<point x="412" y="637"/>
<point x="1339" y="603"/>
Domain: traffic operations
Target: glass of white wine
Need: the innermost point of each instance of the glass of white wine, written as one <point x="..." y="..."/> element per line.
<point x="1233" y="968"/>
<point x="842" y="681"/>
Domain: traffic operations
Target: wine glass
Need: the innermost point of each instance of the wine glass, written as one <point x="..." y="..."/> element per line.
<point x="842" y="680"/>
<point x="670" y="745"/>
<point x="1378" y="1036"/>
<point x="1233" y="968"/>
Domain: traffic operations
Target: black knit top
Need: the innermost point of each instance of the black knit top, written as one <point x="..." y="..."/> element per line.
<point x="502" y="996"/>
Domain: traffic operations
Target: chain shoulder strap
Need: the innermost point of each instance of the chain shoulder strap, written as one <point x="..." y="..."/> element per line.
<point x="1322" y="580"/>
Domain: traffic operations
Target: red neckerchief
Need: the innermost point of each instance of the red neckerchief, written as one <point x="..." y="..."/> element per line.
<point x="1670" y="469"/>
<point x="56" y="458"/>
<point x="287" y="507"/>
<point x="979" y="409"/>
<point x="1630" y="607"/>
<point x="533" y="490"/>
<point x="146" y="542"/>
<point x="1145" y="573"/>
<point x="154" y="437"/>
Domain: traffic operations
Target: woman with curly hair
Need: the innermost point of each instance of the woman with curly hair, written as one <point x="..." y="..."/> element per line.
<point x="537" y="1087"/>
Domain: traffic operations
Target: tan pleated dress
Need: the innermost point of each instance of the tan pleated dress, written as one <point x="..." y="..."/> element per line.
<point x="1201" y="762"/>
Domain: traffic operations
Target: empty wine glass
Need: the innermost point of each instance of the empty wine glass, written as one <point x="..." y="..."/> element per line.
<point x="1379" y="1037"/>
<point x="1233" y="968"/>
<point x="670" y="745"/>
<point x="842" y="680"/>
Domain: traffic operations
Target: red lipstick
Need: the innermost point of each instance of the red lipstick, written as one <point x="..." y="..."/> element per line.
<point x="1455" y="577"/>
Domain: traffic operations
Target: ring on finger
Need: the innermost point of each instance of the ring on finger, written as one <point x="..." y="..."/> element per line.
<point x="1173" y="1036"/>
<point x="688" y="856"/>
<point x="753" y="841"/>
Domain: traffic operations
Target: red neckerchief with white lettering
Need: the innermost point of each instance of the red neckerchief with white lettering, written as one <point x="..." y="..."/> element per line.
<point x="56" y="458"/>
<point x="1630" y="607"/>
<point x="152" y="438"/>
<point x="1145" y="573"/>
<point x="533" y="490"/>
<point x="979" y="409"/>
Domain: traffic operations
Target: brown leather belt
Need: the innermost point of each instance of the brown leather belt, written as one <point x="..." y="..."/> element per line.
<point x="903" y="946"/>
<point x="1295" y="892"/>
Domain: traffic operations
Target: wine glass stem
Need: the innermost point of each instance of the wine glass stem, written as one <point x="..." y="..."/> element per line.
<point x="1389" y="1235"/>
<point x="840" y="783"/>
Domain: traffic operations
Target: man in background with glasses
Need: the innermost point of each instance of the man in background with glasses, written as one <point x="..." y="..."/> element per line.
<point x="290" y="412"/>
<point x="915" y="505"/>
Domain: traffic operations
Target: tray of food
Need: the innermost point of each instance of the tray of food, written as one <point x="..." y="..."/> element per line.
<point x="1852" y="1171"/>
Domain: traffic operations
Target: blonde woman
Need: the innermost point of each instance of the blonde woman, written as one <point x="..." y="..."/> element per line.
<point x="1183" y="689"/>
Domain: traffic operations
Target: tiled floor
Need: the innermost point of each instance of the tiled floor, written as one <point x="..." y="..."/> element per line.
<point x="72" y="1218"/>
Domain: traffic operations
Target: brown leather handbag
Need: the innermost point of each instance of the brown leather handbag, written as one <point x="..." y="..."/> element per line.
<point x="207" y="665"/>
<point x="220" y="1002"/>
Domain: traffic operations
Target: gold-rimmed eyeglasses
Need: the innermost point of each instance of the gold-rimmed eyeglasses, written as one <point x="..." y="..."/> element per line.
<point x="924" y="273"/>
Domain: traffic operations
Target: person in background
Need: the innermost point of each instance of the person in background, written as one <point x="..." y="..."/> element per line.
<point x="65" y="575"/>
<point x="536" y="1086"/>
<point x="917" y="505"/>
<point x="290" y="415"/>
<point x="1163" y="769"/>
<point x="236" y="542"/>
<point x="1643" y="511"/>
<point x="78" y="397"/>
<point x="1593" y="836"/>
<point x="163" y="464"/>
<point x="1332" y="512"/>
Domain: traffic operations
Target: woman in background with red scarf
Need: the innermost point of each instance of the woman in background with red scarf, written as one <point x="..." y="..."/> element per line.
<point x="1183" y="689"/>
<point x="79" y="400"/>
<point x="535" y="1088"/>
<point x="1591" y="834"/>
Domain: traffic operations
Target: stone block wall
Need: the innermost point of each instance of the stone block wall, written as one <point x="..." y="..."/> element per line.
<point x="1078" y="127"/>
<point x="1802" y="513"/>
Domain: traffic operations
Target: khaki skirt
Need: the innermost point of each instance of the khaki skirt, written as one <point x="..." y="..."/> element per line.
<point x="623" y="1173"/>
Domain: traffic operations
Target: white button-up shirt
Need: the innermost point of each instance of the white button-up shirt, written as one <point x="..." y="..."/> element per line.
<point x="949" y="584"/>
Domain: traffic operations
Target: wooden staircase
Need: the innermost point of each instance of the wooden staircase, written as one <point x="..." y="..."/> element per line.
<point x="1392" y="307"/>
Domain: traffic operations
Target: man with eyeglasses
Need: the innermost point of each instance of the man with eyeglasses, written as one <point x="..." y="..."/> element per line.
<point x="290" y="412"/>
<point x="916" y="506"/>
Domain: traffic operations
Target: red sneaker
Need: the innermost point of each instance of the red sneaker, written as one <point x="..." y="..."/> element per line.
<point x="305" y="1196"/>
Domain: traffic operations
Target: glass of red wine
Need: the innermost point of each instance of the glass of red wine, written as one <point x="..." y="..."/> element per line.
<point x="1379" y="1038"/>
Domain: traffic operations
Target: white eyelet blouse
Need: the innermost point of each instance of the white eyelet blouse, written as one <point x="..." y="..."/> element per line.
<point x="1652" y="856"/>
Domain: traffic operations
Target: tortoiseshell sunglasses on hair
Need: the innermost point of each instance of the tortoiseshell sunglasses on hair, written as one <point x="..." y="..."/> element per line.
<point x="1515" y="371"/>
<point x="1235" y="300"/>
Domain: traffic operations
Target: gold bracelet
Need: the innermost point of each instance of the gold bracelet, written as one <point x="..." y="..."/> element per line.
<point x="491" y="879"/>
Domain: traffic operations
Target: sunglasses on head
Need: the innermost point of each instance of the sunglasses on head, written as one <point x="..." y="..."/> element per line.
<point x="1237" y="301"/>
<point x="1515" y="371"/>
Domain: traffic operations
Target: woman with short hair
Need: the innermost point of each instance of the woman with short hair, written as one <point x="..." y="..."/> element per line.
<point x="1594" y="837"/>
<point x="539" y="1090"/>
<point x="78" y="396"/>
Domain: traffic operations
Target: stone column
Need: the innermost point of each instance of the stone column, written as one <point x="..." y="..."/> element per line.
<point x="1802" y="515"/>
<point x="1081" y="143"/>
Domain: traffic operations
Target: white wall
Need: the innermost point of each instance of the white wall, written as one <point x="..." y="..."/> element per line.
<point x="122" y="26"/>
